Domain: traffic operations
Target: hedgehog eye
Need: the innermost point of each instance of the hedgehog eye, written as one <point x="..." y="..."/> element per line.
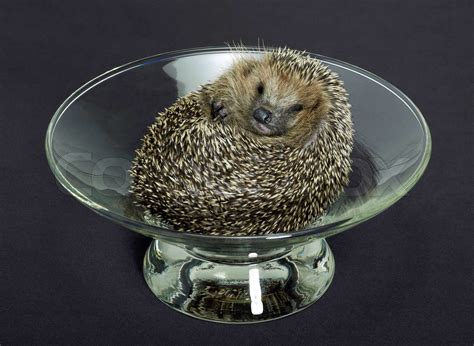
<point x="260" y="88"/>
<point x="296" y="108"/>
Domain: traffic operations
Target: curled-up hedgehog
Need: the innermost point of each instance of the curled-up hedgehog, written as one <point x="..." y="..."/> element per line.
<point x="265" y="148"/>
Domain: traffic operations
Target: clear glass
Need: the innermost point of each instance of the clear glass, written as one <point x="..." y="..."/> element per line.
<point x="91" y="141"/>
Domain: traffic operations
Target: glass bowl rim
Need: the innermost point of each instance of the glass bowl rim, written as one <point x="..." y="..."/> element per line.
<point x="137" y="225"/>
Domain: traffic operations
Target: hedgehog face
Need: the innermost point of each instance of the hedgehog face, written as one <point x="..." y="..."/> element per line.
<point x="270" y="102"/>
<point x="275" y="105"/>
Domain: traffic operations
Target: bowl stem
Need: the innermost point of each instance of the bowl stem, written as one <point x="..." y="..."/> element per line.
<point x="236" y="292"/>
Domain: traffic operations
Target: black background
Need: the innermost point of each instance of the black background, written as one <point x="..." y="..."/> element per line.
<point x="70" y="276"/>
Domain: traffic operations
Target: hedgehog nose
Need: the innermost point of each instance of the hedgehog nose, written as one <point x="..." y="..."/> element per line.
<point x="262" y="115"/>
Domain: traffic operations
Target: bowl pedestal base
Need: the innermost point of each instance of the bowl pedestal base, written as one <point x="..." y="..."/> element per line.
<point x="243" y="289"/>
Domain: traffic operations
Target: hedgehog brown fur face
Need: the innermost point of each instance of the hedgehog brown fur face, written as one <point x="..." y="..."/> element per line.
<point x="235" y="177"/>
<point x="261" y="96"/>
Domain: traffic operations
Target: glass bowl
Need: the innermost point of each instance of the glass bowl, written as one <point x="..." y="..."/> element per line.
<point x="90" y="144"/>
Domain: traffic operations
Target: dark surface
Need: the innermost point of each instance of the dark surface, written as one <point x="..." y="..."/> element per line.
<point x="70" y="276"/>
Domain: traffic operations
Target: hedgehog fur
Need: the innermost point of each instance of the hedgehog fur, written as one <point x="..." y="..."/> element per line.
<point x="217" y="178"/>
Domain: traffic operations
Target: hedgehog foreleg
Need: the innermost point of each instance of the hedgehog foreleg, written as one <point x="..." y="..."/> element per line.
<point x="218" y="111"/>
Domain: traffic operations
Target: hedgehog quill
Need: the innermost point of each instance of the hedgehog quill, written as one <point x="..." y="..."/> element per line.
<point x="265" y="148"/>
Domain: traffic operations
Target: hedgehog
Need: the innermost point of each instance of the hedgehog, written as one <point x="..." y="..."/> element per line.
<point x="265" y="148"/>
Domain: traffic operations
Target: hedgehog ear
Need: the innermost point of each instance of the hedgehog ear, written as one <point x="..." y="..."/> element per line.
<point x="316" y="104"/>
<point x="322" y="103"/>
<point x="248" y="69"/>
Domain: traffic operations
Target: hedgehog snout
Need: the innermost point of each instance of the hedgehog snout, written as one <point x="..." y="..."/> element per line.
<point x="262" y="115"/>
